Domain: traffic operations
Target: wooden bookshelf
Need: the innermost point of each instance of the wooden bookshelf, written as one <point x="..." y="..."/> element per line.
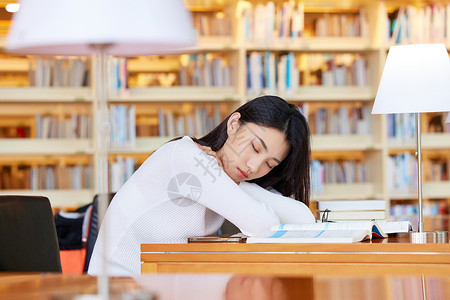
<point x="71" y="199"/>
<point x="178" y="94"/>
<point x="42" y="95"/>
<point x="20" y="104"/>
<point x="24" y="146"/>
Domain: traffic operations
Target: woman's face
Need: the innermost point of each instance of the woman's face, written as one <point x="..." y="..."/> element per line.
<point x="251" y="151"/>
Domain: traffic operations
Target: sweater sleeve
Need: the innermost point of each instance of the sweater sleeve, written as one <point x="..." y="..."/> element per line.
<point x="210" y="186"/>
<point x="288" y="210"/>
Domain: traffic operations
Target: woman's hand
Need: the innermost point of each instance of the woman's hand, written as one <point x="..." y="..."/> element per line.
<point x="210" y="152"/>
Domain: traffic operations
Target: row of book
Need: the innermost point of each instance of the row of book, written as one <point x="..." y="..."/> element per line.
<point x="267" y="72"/>
<point x="126" y="126"/>
<point x="431" y="222"/>
<point x="124" y="130"/>
<point x="202" y="121"/>
<point x="326" y="172"/>
<point x="344" y="120"/>
<point x="119" y="171"/>
<point x="123" y="126"/>
<point x="117" y="75"/>
<point x="410" y="24"/>
<point x="213" y="24"/>
<point x="402" y="173"/>
<point x="340" y="25"/>
<point x="205" y="70"/>
<point x="59" y="72"/>
<point x="46" y="177"/>
<point x="343" y="69"/>
<point x="432" y="208"/>
<point x="272" y="20"/>
<point x="439" y="170"/>
<point x="401" y="128"/>
<point x="76" y="126"/>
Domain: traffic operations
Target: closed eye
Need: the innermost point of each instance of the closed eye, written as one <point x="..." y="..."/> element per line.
<point x="270" y="167"/>
<point x="254" y="148"/>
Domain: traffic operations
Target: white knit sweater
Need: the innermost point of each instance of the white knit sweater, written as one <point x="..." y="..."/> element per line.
<point x="180" y="192"/>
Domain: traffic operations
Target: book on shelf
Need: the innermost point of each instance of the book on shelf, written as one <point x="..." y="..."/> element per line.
<point x="410" y="24"/>
<point x="123" y="126"/>
<point x="119" y="171"/>
<point x="59" y="72"/>
<point x="402" y="169"/>
<point x="208" y="24"/>
<point x="344" y="120"/>
<point x="265" y="23"/>
<point x="330" y="232"/>
<point x="205" y="70"/>
<point x="327" y="172"/>
<point x="73" y="126"/>
<point x="199" y="123"/>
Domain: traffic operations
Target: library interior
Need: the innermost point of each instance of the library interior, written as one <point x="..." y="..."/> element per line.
<point x="388" y="172"/>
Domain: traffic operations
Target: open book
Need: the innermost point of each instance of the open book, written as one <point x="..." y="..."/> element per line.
<point x="338" y="232"/>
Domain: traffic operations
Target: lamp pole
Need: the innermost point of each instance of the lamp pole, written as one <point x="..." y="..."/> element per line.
<point x="103" y="135"/>
<point x="420" y="226"/>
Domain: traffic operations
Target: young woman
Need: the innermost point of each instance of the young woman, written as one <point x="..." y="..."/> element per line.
<point x="247" y="170"/>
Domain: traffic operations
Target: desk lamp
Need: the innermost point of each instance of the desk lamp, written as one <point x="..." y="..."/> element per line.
<point x="100" y="28"/>
<point x="415" y="79"/>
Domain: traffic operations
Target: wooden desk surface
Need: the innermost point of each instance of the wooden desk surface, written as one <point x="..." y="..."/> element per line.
<point x="226" y="286"/>
<point x="54" y="286"/>
<point x="393" y="255"/>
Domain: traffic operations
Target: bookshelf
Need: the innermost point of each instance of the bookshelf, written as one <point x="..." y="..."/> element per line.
<point x="337" y="74"/>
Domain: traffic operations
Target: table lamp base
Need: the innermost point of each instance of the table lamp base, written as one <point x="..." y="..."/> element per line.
<point x="428" y="237"/>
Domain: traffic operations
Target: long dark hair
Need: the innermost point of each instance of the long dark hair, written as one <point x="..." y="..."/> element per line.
<point x="292" y="177"/>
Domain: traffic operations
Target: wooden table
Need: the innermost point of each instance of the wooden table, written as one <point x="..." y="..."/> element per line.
<point x="378" y="257"/>
<point x="55" y="286"/>
<point x="226" y="286"/>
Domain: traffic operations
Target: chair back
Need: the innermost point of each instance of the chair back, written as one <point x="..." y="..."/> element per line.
<point x="28" y="241"/>
<point x="93" y="228"/>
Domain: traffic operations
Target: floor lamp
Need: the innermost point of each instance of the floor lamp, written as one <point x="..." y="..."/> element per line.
<point x="101" y="28"/>
<point x="415" y="79"/>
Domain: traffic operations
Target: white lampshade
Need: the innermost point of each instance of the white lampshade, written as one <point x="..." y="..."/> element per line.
<point x="416" y="78"/>
<point x="71" y="27"/>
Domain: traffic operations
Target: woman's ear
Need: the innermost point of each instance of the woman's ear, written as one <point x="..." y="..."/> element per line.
<point x="233" y="123"/>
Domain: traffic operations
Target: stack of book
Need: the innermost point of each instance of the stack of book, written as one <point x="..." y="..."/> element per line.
<point x="351" y="210"/>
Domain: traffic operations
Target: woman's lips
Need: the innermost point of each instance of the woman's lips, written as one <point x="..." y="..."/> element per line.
<point x="242" y="174"/>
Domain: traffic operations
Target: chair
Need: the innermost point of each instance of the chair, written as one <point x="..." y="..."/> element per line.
<point x="28" y="235"/>
<point x="92" y="228"/>
<point x="72" y="246"/>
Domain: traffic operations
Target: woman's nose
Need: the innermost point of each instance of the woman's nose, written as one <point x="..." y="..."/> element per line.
<point x="253" y="165"/>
